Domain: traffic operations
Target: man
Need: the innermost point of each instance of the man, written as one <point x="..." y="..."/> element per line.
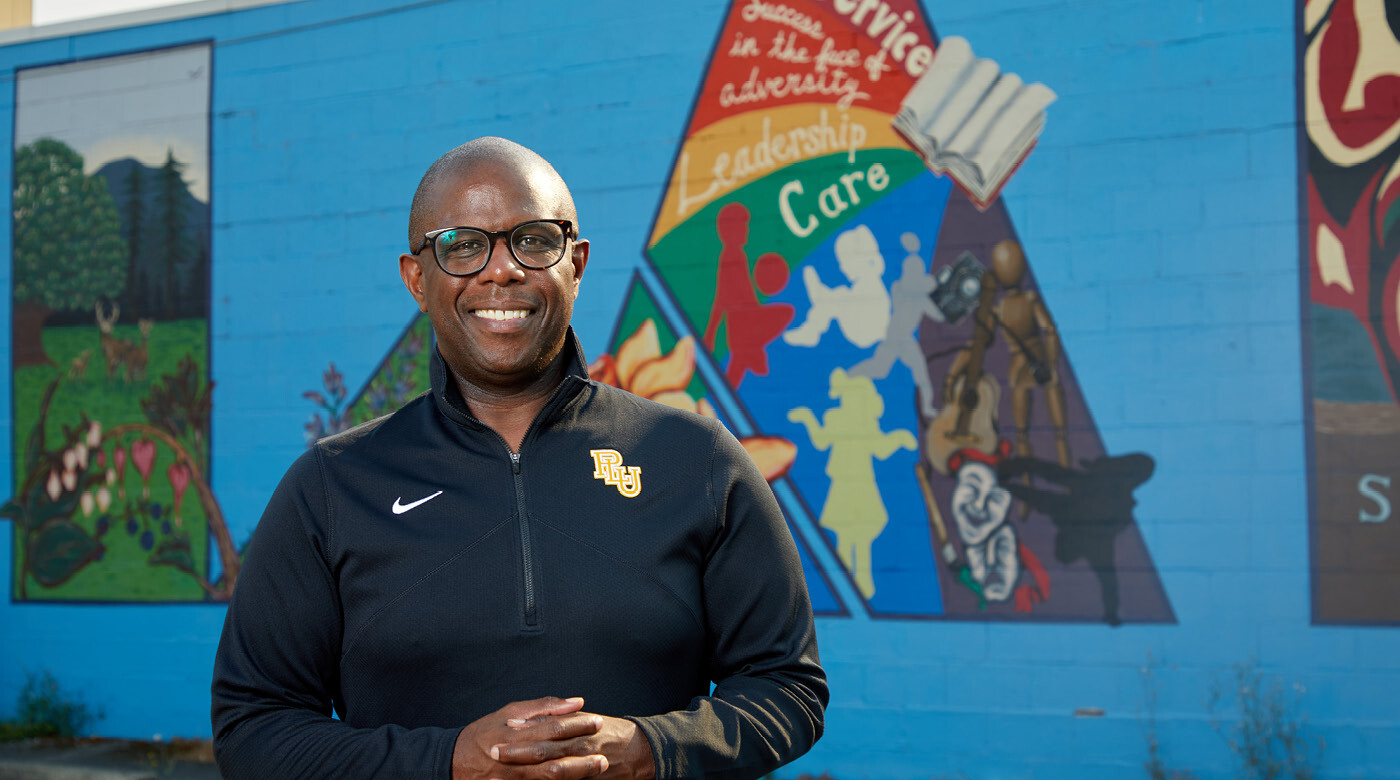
<point x="441" y="577"/>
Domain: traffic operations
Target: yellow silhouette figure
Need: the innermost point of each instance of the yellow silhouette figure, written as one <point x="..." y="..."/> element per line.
<point x="854" y="510"/>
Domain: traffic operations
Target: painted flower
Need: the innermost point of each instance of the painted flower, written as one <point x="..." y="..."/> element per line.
<point x="639" y="367"/>
<point x="334" y="382"/>
<point x="143" y="454"/>
<point x="179" y="476"/>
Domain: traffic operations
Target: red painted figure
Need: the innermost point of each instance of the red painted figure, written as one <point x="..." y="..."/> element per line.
<point x="751" y="326"/>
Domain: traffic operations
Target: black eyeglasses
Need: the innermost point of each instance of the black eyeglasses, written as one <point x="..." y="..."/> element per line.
<point x="463" y="251"/>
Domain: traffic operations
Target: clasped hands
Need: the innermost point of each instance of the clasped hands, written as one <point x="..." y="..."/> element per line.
<point x="550" y="738"/>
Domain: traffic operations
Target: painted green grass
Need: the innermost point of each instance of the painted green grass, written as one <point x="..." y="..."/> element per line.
<point x="123" y="573"/>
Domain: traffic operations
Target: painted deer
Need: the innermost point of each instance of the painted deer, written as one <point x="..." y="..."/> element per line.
<point x="78" y="368"/>
<point x="128" y="356"/>
<point x="136" y="360"/>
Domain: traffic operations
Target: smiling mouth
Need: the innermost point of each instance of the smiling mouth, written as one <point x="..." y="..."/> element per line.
<point x="502" y="314"/>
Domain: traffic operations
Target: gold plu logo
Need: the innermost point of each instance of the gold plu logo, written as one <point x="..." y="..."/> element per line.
<point x="607" y="466"/>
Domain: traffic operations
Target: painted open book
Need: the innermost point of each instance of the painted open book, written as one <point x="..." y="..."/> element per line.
<point x="971" y="121"/>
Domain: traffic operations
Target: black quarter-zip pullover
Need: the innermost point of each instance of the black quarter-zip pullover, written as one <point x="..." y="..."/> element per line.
<point x="413" y="574"/>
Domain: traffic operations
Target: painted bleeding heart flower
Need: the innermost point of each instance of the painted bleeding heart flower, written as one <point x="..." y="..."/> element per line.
<point x="119" y="460"/>
<point x="87" y="502"/>
<point x="143" y="454"/>
<point x="641" y="369"/>
<point x="54" y="488"/>
<point x="179" y="476"/>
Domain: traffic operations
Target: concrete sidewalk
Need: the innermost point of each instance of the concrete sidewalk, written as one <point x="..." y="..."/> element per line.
<point x="106" y="759"/>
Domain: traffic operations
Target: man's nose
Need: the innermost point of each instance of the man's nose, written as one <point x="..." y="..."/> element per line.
<point x="501" y="266"/>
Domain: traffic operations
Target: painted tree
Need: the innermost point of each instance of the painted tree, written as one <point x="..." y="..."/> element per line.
<point x="135" y="222"/>
<point x="68" y="249"/>
<point x="172" y="191"/>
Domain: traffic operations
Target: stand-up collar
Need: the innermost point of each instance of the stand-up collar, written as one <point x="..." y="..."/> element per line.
<point x="448" y="397"/>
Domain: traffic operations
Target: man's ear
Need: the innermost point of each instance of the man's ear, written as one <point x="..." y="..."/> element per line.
<point x="580" y="260"/>
<point x="411" y="271"/>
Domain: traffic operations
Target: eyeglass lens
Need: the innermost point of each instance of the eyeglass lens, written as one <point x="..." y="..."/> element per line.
<point x="467" y="250"/>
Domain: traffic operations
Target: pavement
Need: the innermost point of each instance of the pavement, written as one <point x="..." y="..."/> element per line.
<point x="95" y="758"/>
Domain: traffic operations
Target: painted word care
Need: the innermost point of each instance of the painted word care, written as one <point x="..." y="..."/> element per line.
<point x="829" y="199"/>
<point x="770" y="151"/>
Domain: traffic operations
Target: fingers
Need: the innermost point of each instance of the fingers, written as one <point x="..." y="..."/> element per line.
<point x="556" y="727"/>
<point x="522" y="753"/>
<point x="549" y="705"/>
<point x="540" y="739"/>
<point x="571" y="768"/>
<point x="550" y="738"/>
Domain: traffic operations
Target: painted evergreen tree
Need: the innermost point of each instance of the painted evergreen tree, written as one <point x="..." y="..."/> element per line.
<point x="68" y="249"/>
<point x="135" y="221"/>
<point x="171" y="182"/>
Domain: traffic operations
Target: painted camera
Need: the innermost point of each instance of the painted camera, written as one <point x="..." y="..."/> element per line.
<point x="959" y="286"/>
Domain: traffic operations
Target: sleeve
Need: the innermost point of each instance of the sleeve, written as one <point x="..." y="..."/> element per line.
<point x="277" y="666"/>
<point x="770" y="694"/>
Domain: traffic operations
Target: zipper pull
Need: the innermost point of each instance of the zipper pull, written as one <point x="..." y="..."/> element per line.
<point x="515" y="463"/>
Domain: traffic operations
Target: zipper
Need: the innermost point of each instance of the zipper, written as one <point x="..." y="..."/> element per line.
<point x="526" y="558"/>
<point x="527" y="565"/>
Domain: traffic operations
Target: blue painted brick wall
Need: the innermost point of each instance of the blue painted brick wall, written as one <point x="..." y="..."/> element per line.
<point x="1159" y="211"/>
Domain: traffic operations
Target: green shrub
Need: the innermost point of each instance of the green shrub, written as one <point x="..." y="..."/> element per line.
<point x="44" y="710"/>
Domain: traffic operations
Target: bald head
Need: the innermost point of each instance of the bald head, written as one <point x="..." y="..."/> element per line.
<point x="487" y="156"/>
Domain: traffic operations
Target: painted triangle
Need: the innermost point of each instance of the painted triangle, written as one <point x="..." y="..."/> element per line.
<point x="844" y="294"/>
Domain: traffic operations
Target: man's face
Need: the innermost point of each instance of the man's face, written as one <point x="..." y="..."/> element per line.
<point x="979" y="502"/>
<point x="500" y="328"/>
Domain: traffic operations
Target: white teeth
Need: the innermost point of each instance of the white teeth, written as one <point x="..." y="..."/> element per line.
<point x="503" y="314"/>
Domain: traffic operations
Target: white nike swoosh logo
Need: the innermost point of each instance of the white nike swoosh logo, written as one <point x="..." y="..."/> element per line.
<point x="401" y="508"/>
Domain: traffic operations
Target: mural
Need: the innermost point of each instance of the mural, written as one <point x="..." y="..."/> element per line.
<point x="400" y="376"/>
<point x="110" y="347"/>
<point x="917" y="416"/>
<point x="833" y="257"/>
<point x="1350" y="137"/>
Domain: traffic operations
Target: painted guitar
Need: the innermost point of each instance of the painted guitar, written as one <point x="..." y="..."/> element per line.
<point x="958" y="427"/>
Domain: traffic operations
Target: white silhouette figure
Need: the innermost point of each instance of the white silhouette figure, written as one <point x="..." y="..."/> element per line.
<point x="862" y="309"/>
<point x="911" y="304"/>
